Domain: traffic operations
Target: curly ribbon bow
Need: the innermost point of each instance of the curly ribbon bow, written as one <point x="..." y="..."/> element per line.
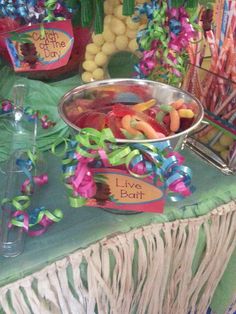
<point x="99" y="149"/>
<point x="26" y="166"/>
<point x="34" y="223"/>
<point x="7" y="107"/>
<point x="28" y="10"/>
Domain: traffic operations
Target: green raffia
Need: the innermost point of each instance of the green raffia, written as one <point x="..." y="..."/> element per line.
<point x="128" y="7"/>
<point x="192" y="4"/>
<point x="177" y="3"/>
<point x="50" y="6"/>
<point x="87" y="10"/>
<point x="99" y="15"/>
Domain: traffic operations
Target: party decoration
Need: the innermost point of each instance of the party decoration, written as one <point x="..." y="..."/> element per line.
<point x="99" y="172"/>
<point x="24" y="10"/>
<point x="7" y="107"/>
<point x="33" y="221"/>
<point x="36" y="221"/>
<point x="34" y="49"/>
<point x="164" y="42"/>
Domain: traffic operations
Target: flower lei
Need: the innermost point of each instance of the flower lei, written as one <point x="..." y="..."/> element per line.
<point x="163" y="42"/>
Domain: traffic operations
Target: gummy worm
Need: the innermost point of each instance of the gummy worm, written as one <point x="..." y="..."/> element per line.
<point x="174" y="120"/>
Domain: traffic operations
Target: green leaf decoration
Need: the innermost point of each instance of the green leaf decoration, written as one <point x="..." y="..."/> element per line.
<point x="86" y="12"/>
<point x="99" y="15"/>
<point x="50" y="4"/>
<point x="21" y="38"/>
<point x="208" y="4"/>
<point x="128" y="7"/>
<point x="177" y="3"/>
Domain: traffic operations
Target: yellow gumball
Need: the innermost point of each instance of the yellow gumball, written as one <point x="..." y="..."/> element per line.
<point x="131" y="24"/>
<point x="224" y="154"/>
<point x="98" y="39"/>
<point x="118" y="12"/>
<point x="217" y="147"/>
<point x="89" y="66"/>
<point x="89" y="56"/>
<point x="131" y="33"/>
<point x="101" y="59"/>
<point x="133" y="46"/>
<point x="87" y="77"/>
<point x="121" y="42"/>
<point x="98" y="74"/>
<point x="117" y="26"/>
<point x="109" y="48"/>
<point x="107" y="19"/>
<point x="203" y="139"/>
<point x="108" y="8"/>
<point x="211" y="134"/>
<point x="226" y="140"/>
<point x="92" y="48"/>
<point x="114" y="3"/>
<point x="108" y="35"/>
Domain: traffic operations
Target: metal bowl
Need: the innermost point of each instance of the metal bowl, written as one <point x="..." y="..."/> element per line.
<point x="131" y="91"/>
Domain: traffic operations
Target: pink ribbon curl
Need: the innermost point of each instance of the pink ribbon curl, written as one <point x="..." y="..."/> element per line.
<point x="149" y="59"/>
<point x="82" y="181"/>
<point x="25" y="219"/>
<point x="45" y="223"/>
<point x="27" y="186"/>
<point x="179" y="42"/>
<point x="179" y="187"/>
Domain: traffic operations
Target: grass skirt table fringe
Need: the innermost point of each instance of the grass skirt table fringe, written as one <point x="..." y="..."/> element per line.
<point x="147" y="270"/>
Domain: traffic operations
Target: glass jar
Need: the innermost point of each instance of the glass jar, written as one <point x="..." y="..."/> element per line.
<point x="114" y="52"/>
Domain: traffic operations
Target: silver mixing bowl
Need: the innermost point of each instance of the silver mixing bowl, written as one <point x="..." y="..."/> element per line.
<point x="132" y="91"/>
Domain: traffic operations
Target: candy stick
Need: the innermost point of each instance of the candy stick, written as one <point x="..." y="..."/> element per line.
<point x="219" y="65"/>
<point x="225" y="19"/>
<point x="218" y="19"/>
<point x="229" y="114"/>
<point x="225" y="103"/>
<point x="214" y="54"/>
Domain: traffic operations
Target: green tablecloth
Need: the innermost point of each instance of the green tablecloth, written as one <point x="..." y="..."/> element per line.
<point x="83" y="226"/>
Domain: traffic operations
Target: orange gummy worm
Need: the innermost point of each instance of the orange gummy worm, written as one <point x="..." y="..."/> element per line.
<point x="147" y="130"/>
<point x="178" y="104"/>
<point x="174" y="120"/>
<point x="125" y="122"/>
